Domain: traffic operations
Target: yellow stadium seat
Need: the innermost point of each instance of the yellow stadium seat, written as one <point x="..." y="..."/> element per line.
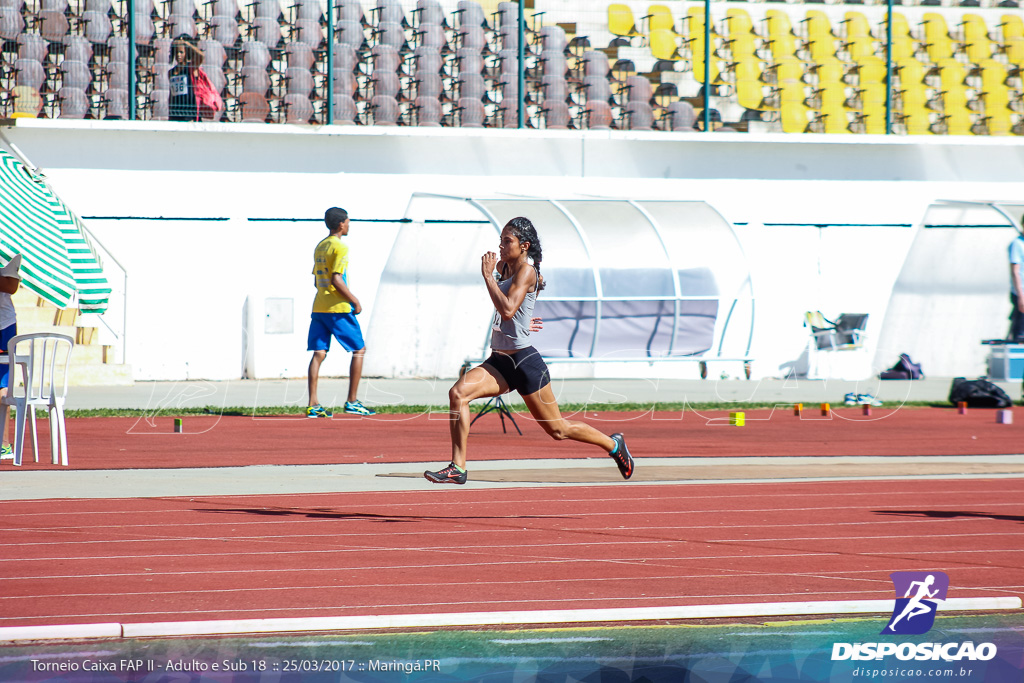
<point x="902" y="48"/>
<point x="817" y="25"/>
<point x="900" y="26"/>
<point x="829" y="96"/>
<point x="1012" y="26"/>
<point x="857" y="25"/>
<point x="821" y="49"/>
<point x="660" y="17"/>
<point x="620" y="20"/>
<point x="747" y="69"/>
<point x="787" y="70"/>
<point x="794" y="116"/>
<point x="993" y="73"/>
<point x="872" y="121"/>
<point x="785" y="92"/>
<point x="958" y="122"/>
<point x="834" y="120"/>
<point x="694" y="22"/>
<point x="1013" y="48"/>
<point x="782" y="46"/>
<point x="917" y="121"/>
<point x="742" y="46"/>
<point x="663" y="44"/>
<point x="778" y="23"/>
<point x="859" y="48"/>
<point x="698" y="68"/>
<point x="913" y="96"/>
<point x="750" y="94"/>
<point x="738" y="22"/>
<point x="951" y="73"/>
<point x="999" y="122"/>
<point x="829" y="71"/>
<point x="995" y="96"/>
<point x="871" y="70"/>
<point x="937" y="41"/>
<point x="909" y="71"/>
<point x="871" y="95"/>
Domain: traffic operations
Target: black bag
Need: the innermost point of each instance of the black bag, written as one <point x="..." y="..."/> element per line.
<point x="978" y="393"/>
<point x="904" y="369"/>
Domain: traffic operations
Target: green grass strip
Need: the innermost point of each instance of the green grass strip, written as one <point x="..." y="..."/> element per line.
<point x="566" y="408"/>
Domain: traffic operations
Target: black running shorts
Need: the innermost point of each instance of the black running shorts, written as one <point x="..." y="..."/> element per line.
<point x="524" y="371"/>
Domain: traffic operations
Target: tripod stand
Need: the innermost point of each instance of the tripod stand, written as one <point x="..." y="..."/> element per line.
<point x="497" y="404"/>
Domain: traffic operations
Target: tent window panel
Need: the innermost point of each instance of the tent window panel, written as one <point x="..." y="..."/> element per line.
<point x="565" y="283"/>
<point x="697" y="282"/>
<point x="623" y="282"/>
<point x="635" y="329"/>
<point x="568" y="328"/>
<point x="696" y="332"/>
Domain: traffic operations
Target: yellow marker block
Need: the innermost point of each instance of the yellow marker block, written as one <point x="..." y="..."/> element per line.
<point x="737" y="419"/>
<point x="798" y="409"/>
<point x="825" y="409"/>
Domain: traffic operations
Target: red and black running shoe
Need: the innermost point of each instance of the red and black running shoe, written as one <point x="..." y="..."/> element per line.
<point x="622" y="457"/>
<point x="449" y="475"/>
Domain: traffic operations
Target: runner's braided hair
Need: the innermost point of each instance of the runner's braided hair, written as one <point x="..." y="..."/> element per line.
<point x="524" y="231"/>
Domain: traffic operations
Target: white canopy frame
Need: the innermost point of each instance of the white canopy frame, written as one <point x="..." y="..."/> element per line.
<point x="627" y="281"/>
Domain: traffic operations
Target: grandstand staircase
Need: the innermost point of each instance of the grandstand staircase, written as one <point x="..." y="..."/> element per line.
<point x="92" y="363"/>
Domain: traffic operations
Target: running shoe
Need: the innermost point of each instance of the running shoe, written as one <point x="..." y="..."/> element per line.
<point x="6" y="452"/>
<point x="622" y="457"/>
<point x="868" y="400"/>
<point x="318" y="411"/>
<point x="357" y="408"/>
<point x="851" y="399"/>
<point x="449" y="475"/>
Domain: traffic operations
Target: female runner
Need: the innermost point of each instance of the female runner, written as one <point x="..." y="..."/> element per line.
<point x="514" y="364"/>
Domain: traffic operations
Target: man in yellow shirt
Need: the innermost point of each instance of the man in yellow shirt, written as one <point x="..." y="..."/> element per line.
<point x="334" y="314"/>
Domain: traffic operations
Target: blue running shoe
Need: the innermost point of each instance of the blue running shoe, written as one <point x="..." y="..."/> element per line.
<point x="851" y="399"/>
<point x="318" y="411"/>
<point x="357" y="408"/>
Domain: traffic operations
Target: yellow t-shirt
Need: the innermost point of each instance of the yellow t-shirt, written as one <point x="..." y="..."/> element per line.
<point x="329" y="257"/>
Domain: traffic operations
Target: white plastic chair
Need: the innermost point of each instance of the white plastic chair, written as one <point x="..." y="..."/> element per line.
<point x="43" y="360"/>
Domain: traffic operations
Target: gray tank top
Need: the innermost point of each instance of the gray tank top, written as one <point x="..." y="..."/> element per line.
<point x="513" y="334"/>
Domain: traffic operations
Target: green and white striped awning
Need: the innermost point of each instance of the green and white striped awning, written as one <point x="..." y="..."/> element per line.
<point x="58" y="262"/>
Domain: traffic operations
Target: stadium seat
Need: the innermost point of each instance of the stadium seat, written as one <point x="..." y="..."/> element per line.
<point x="115" y="101"/>
<point x="298" y="81"/>
<point x="297" y="108"/>
<point x="74" y="103"/>
<point x="11" y="23"/>
<point x="595" y="64"/>
<point x="620" y="20"/>
<point x="267" y="31"/>
<point x="663" y="44"/>
<point x="351" y="33"/>
<point x="432" y="36"/>
<point x="639" y="89"/>
<point x="829" y="71"/>
<point x="738" y="22"/>
<point x="30" y="74"/>
<point x="556" y="114"/>
<point x="53" y="26"/>
<point x="384" y="84"/>
<point x="833" y="120"/>
<point x="255" y="108"/>
<point x="916" y="120"/>
<point x="795" y="117"/>
<point x="308" y="32"/>
<point x="681" y="116"/>
<point x="469" y="60"/>
<point x="299" y="56"/>
<point x="428" y="111"/>
<point x="998" y="122"/>
<point x="937" y="42"/>
<point x="32" y="47"/>
<point x="471" y="113"/>
<point x="389" y="11"/>
<point x="428" y="84"/>
<point x="638" y="116"/>
<point x="97" y="27"/>
<point x="76" y="75"/>
<point x="255" y="80"/>
<point x="345" y="110"/>
<point x="750" y="94"/>
<point x="958" y="122"/>
<point x="390" y="33"/>
<point x="597" y="115"/>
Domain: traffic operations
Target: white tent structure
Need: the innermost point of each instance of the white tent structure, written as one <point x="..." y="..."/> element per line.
<point x="629" y="285"/>
<point x="953" y="290"/>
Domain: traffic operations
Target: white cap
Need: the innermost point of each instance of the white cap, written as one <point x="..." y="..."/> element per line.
<point x="12" y="268"/>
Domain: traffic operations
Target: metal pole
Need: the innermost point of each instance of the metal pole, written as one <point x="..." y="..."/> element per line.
<point x="888" y="70"/>
<point x="132" y="73"/>
<point x="329" y="118"/>
<point x="521" y="90"/>
<point x="707" y="66"/>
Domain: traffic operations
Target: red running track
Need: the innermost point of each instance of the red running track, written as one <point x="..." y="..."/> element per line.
<point x="464" y="549"/>
<point x="216" y="441"/>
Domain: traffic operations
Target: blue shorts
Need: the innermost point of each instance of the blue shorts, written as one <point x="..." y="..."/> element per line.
<point x="6" y="335"/>
<point x="342" y="326"/>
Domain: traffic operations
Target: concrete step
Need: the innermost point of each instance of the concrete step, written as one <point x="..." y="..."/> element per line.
<point x="100" y="375"/>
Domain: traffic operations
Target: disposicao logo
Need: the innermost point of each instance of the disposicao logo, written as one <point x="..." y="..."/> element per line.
<point x="914" y="612"/>
<point x="917" y="595"/>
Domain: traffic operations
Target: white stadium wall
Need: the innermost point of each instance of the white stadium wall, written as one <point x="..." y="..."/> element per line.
<point x="215" y="225"/>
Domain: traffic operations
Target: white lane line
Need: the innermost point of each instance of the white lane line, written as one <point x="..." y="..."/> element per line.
<point x="293" y="625"/>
